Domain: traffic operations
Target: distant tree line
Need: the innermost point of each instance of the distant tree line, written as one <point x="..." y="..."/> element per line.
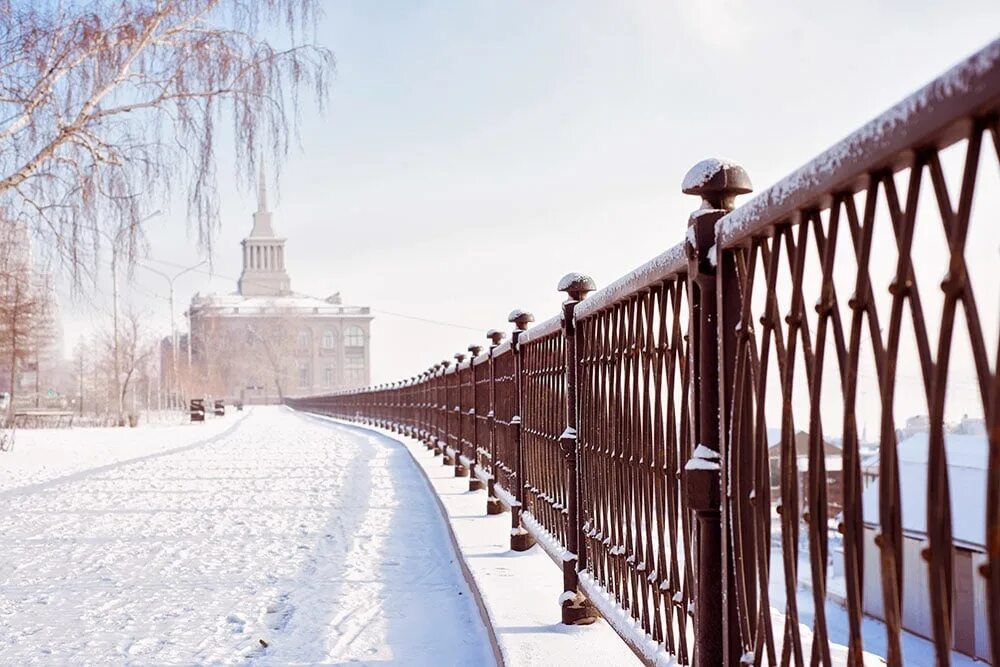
<point x="110" y="110"/>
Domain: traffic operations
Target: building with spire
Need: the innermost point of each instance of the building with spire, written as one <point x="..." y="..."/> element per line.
<point x="264" y="271"/>
<point x="265" y="342"/>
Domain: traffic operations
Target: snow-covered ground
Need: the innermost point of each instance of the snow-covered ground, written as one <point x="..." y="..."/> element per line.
<point x="41" y="456"/>
<point x="519" y="590"/>
<point x="202" y="544"/>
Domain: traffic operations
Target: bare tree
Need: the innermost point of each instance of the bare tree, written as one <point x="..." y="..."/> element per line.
<point x="82" y="356"/>
<point x="25" y="307"/>
<point x="109" y="106"/>
<point x="44" y="336"/>
<point x="277" y="338"/>
<point x="135" y="350"/>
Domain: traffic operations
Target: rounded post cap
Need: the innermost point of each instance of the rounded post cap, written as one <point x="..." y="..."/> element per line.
<point x="576" y="285"/>
<point x="520" y="318"/>
<point x="717" y="182"/>
<point x="495" y="336"/>
<point x="446" y="363"/>
<point x="475" y="349"/>
<point x="459" y="357"/>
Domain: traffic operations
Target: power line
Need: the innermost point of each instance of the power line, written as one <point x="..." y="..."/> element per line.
<point x="302" y="294"/>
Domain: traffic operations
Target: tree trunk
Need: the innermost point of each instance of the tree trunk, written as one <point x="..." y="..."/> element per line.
<point x="38" y="382"/>
<point x="13" y="355"/>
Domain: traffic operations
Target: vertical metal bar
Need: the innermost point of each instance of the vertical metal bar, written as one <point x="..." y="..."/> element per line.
<point x="475" y="484"/>
<point x="456" y="411"/>
<point x="520" y="538"/>
<point x="576" y="609"/>
<point x="715" y="627"/>
<point x="493" y="504"/>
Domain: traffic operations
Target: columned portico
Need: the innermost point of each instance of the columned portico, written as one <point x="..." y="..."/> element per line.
<point x="263" y="254"/>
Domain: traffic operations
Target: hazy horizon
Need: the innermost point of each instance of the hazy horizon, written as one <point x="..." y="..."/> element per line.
<point x="472" y="154"/>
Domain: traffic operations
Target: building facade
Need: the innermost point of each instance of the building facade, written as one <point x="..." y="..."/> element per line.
<point x="33" y="370"/>
<point x="265" y="342"/>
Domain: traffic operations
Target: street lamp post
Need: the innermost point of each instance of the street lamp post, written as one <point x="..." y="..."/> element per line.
<point x="117" y="241"/>
<point x="173" y="328"/>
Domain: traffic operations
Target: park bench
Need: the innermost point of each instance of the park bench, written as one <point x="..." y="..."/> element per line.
<point x="37" y="418"/>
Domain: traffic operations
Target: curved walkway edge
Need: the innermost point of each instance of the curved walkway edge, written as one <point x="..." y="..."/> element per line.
<point x="460" y="555"/>
<point x="517" y="593"/>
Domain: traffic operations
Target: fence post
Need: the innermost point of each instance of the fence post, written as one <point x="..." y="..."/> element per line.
<point x="716" y="631"/>
<point x="493" y="504"/>
<point x="445" y="414"/>
<point x="520" y="538"/>
<point x="440" y="396"/>
<point x="425" y="408"/>
<point x="576" y="609"/>
<point x="475" y="484"/>
<point x="460" y="470"/>
<point x="413" y="405"/>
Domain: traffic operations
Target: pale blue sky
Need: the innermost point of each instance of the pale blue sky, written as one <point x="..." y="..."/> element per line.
<point x="476" y="151"/>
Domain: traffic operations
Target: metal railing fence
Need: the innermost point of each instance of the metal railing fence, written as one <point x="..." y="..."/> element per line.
<point x="689" y="443"/>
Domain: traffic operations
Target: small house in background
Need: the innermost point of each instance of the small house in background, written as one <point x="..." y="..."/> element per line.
<point x="833" y="462"/>
<point x="871" y="461"/>
<point x="967" y="464"/>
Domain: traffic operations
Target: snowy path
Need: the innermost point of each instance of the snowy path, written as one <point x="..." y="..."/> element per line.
<point x="323" y="543"/>
<point x="520" y="591"/>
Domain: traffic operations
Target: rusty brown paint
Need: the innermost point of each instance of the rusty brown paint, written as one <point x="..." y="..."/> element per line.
<point x="586" y="422"/>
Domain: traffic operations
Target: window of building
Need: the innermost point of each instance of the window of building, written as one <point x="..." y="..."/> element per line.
<point x="304" y="380"/>
<point x="328" y="376"/>
<point x="329" y="340"/>
<point x="354" y="369"/>
<point x="304" y="343"/>
<point x="354" y="337"/>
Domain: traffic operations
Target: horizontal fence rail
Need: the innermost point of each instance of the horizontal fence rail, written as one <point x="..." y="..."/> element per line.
<point x="691" y="443"/>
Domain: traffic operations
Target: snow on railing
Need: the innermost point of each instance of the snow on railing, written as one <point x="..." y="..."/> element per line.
<point x="635" y="420"/>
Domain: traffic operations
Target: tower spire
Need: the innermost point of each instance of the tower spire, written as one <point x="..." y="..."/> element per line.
<point x="261" y="190"/>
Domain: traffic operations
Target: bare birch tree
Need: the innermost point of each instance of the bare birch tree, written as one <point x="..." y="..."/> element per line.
<point x="135" y="349"/>
<point x="108" y="107"/>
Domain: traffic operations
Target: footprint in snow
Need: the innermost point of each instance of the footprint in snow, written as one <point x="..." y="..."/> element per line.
<point x="238" y="621"/>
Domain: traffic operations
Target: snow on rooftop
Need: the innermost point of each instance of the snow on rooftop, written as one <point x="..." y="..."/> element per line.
<point x="967" y="463"/>
<point x="288" y="304"/>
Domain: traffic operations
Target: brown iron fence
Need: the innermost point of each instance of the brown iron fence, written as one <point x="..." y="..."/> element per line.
<point x="691" y="443"/>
